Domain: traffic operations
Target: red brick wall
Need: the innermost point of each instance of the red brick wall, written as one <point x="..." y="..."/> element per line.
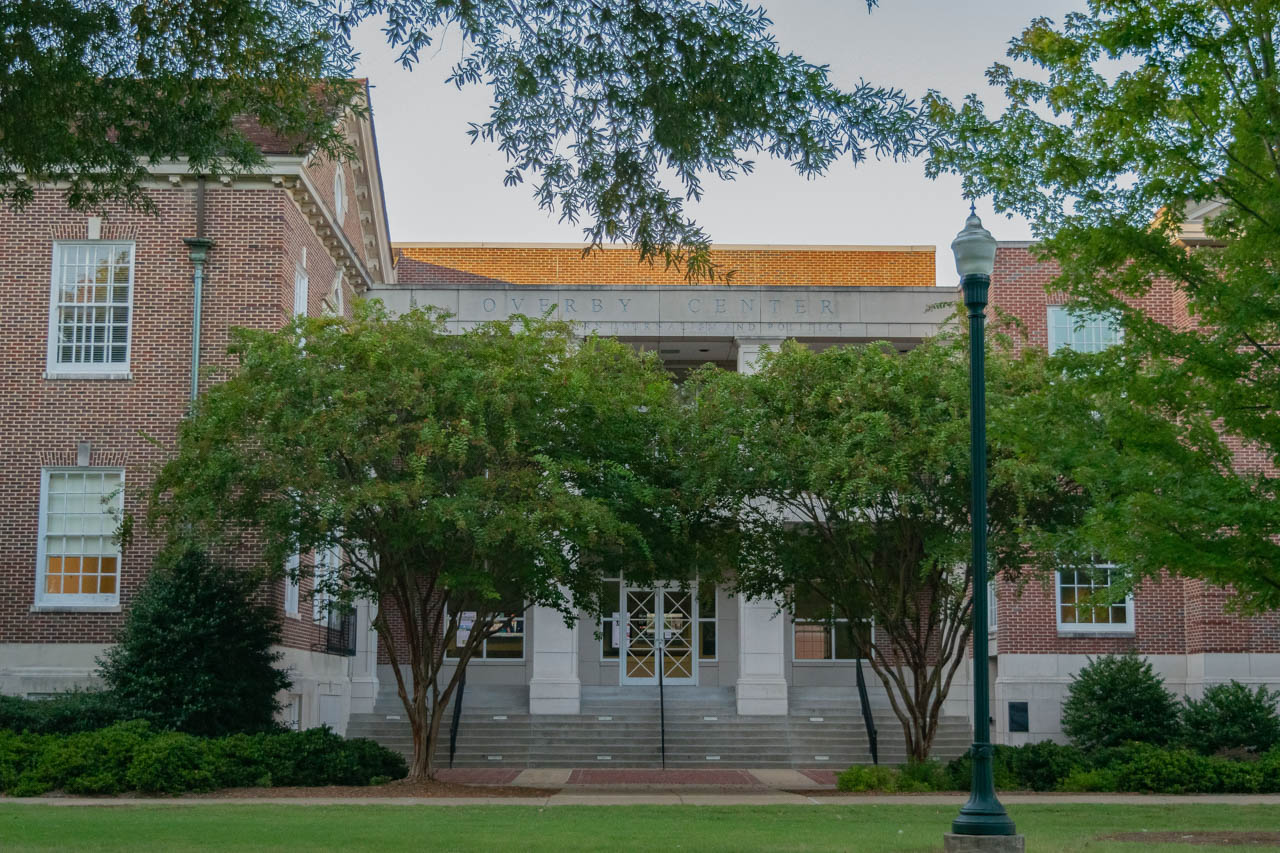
<point x="248" y="282"/>
<point x="1171" y="616"/>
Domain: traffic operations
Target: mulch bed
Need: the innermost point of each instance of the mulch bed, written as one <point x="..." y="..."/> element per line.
<point x="399" y="788"/>
<point x="1225" y="838"/>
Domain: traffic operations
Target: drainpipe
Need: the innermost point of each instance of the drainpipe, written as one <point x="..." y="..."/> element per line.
<point x="199" y="246"/>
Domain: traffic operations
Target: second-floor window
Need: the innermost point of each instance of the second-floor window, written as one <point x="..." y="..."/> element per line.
<point x="1080" y="331"/>
<point x="92" y="306"/>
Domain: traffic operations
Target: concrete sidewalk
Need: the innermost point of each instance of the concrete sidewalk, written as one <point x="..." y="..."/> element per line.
<point x="568" y="798"/>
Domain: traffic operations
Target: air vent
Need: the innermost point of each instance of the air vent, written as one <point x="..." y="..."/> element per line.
<point x="669" y="351"/>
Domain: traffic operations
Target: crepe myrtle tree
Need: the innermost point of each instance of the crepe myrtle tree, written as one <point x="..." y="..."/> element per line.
<point x="1122" y="120"/>
<point x="849" y="470"/>
<point x="510" y="465"/>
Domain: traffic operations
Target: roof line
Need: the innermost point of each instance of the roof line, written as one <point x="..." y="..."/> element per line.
<point x="626" y="247"/>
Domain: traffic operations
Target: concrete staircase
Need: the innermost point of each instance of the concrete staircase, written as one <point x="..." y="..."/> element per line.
<point x="622" y="728"/>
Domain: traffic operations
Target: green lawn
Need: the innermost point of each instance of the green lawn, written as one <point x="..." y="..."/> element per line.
<point x="25" y="827"/>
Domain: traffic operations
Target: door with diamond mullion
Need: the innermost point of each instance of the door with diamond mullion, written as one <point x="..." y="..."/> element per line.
<point x="659" y="630"/>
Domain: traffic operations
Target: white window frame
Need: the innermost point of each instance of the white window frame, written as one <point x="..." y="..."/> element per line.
<point x="993" y="607"/>
<point x="1093" y="628"/>
<point x="73" y="600"/>
<point x="291" y="585"/>
<point x="339" y="195"/>
<point x="1078" y="320"/>
<point x="55" y="369"/>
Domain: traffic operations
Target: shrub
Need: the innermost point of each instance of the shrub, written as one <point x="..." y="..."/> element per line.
<point x="1089" y="781"/>
<point x="1042" y="766"/>
<point x="1231" y="716"/>
<point x="63" y="713"/>
<point x="928" y="775"/>
<point x="195" y="652"/>
<point x="83" y="763"/>
<point x="1118" y="698"/>
<point x="1237" y="777"/>
<point x="1164" y="771"/>
<point x="864" y="777"/>
<point x="171" y="763"/>
<point x="132" y="756"/>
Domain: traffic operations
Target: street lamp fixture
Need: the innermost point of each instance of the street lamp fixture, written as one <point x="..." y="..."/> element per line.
<point x="975" y="251"/>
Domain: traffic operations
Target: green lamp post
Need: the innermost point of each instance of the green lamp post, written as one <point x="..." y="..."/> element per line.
<point x="975" y="251"/>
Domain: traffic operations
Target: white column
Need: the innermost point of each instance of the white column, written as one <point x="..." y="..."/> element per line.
<point x="554" y="687"/>
<point x="762" y="647"/>
<point x="364" y="666"/>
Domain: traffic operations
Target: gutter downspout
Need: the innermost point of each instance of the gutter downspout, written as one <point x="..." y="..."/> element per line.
<point x="199" y="246"/>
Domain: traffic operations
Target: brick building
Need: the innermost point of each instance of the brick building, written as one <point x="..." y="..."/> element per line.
<point x="99" y="361"/>
<point x="98" y="346"/>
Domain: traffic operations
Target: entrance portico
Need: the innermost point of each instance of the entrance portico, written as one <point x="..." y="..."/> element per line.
<point x="699" y="640"/>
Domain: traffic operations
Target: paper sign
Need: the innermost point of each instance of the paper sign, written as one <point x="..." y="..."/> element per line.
<point x="615" y="630"/>
<point x="466" y="621"/>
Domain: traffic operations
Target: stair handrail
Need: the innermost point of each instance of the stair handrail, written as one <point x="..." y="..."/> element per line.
<point x="867" y="719"/>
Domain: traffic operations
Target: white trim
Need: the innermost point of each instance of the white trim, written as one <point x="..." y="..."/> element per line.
<point x="339" y="194"/>
<point x="301" y="288"/>
<point x="73" y="601"/>
<point x="1093" y="629"/>
<point x="86" y="370"/>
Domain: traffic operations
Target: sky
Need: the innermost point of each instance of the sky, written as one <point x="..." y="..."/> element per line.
<point x="441" y="188"/>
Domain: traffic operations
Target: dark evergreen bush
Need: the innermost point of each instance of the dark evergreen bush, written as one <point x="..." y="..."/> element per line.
<point x="1231" y="716"/>
<point x="133" y="756"/>
<point x="1043" y="766"/>
<point x="195" y="652"/>
<point x="73" y="711"/>
<point x="1117" y="699"/>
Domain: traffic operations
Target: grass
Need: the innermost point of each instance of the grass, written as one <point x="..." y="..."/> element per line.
<point x="314" y="828"/>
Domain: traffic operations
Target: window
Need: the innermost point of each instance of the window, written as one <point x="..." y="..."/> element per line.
<point x="819" y="635"/>
<point x="993" y="607"/>
<point x="707" y="621"/>
<point x="339" y="195"/>
<point x="301" y="284"/>
<point x="1082" y="332"/>
<point x="1082" y="603"/>
<point x="291" y="568"/>
<point x="78" y="559"/>
<point x="611" y="624"/>
<point x="506" y="644"/>
<point x="91" y="308"/>
<point x="334" y="305"/>
<point x="326" y="569"/>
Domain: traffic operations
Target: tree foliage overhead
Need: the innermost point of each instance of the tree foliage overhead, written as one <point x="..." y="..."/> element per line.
<point x="849" y="469"/>
<point x="602" y="101"/>
<point x="618" y="110"/>
<point x="92" y="92"/>
<point x="1131" y="116"/>
<point x="507" y="466"/>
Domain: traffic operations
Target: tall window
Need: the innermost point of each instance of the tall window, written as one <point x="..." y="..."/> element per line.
<point x="326" y="570"/>
<point x="78" y="553"/>
<point x="819" y="635"/>
<point x="706" y="621"/>
<point x="611" y="626"/>
<point x="91" y="308"/>
<point x="291" y="568"/>
<point x="1082" y="332"/>
<point x="1082" y="602"/>
<point x="301" y="285"/>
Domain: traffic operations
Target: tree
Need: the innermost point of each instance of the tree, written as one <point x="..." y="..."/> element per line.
<point x="849" y="471"/>
<point x="1139" y="115"/>
<point x="507" y="466"/>
<point x="195" y="653"/>
<point x="604" y="101"/>
<point x="93" y="92"/>
<point x="1115" y="699"/>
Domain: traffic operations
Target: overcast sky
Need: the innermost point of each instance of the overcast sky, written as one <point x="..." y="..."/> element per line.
<point x="440" y="187"/>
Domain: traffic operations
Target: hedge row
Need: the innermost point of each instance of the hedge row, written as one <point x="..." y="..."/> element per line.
<point x="63" y="713"/>
<point x="1048" y="766"/>
<point x="134" y="757"/>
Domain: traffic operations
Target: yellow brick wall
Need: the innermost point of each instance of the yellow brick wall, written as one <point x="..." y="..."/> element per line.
<point x="818" y="266"/>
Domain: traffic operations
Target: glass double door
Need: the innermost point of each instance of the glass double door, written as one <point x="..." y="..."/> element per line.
<point x="659" y="628"/>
